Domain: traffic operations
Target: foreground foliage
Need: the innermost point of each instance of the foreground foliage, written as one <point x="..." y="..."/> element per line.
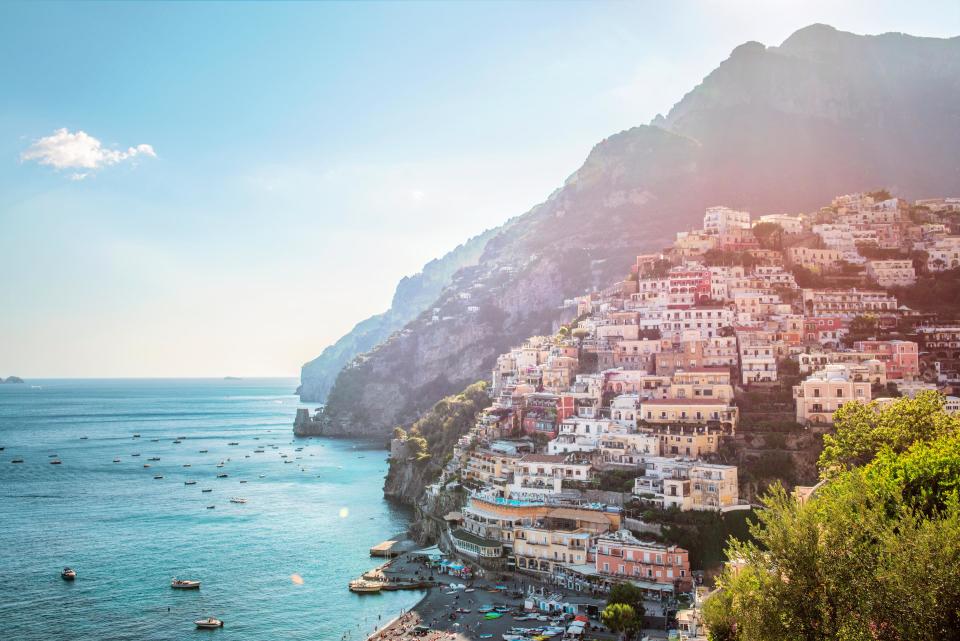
<point x="874" y="554"/>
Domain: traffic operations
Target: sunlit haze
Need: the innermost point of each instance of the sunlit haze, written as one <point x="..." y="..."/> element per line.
<point x="210" y="189"/>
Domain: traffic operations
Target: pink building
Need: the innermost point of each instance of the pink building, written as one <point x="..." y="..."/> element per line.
<point x="691" y="280"/>
<point x="901" y="358"/>
<point x="621" y="555"/>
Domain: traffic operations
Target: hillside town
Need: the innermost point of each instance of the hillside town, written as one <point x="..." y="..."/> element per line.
<point x="772" y="323"/>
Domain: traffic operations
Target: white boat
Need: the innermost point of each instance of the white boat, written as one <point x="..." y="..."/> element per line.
<point x="184" y="584"/>
<point x="209" y="623"/>
<point x="237" y="499"/>
<point x="68" y="574"/>
<point x="359" y="585"/>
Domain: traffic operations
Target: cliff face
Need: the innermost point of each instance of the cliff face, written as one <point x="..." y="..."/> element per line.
<point x="412" y="295"/>
<point x="771" y="129"/>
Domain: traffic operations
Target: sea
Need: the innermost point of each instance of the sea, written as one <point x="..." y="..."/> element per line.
<point x="275" y="567"/>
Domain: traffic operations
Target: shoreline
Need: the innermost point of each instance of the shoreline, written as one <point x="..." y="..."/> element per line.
<point x="376" y="635"/>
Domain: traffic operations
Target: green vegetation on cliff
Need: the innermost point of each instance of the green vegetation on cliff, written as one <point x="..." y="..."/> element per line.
<point x="872" y="554"/>
<point x="428" y="443"/>
<point x="437" y="431"/>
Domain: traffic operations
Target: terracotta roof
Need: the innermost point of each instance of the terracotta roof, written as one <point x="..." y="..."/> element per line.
<point x="591" y="516"/>
<point x="543" y="458"/>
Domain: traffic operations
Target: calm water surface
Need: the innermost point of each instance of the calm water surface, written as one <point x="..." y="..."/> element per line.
<point x="127" y="533"/>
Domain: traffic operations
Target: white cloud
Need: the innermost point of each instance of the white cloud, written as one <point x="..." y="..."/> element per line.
<point x="79" y="151"/>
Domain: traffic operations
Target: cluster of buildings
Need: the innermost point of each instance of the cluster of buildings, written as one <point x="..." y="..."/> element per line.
<point x="645" y="381"/>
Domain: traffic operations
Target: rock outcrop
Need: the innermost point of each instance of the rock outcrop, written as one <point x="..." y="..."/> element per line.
<point x="772" y="129"/>
<point x="11" y="380"/>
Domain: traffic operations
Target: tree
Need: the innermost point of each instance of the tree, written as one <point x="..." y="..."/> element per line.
<point x="871" y="555"/>
<point x="769" y="235"/>
<point x="621" y="618"/>
<point x="399" y="433"/>
<point x="861" y="431"/>
<point x="628" y="594"/>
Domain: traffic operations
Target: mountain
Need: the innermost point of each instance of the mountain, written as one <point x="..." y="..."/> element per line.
<point x="412" y="296"/>
<point x="772" y="129"/>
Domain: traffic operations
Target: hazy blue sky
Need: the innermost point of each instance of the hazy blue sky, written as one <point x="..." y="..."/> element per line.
<point x="267" y="172"/>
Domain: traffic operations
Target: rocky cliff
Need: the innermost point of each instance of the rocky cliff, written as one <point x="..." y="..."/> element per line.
<point x="771" y="129"/>
<point x="412" y="296"/>
<point x="418" y="455"/>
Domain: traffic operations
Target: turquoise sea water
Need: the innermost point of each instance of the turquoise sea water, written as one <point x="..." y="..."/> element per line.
<point x="127" y="534"/>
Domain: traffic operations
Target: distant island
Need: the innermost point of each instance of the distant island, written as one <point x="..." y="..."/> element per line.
<point x="232" y="378"/>
<point x="10" y="380"/>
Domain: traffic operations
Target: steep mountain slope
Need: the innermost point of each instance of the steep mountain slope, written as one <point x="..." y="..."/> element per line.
<point x="771" y="129"/>
<point x="412" y="296"/>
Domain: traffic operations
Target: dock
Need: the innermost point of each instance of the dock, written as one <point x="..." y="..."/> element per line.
<point x="393" y="547"/>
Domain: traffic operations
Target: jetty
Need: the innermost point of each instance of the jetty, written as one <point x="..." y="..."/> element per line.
<point x="393" y="547"/>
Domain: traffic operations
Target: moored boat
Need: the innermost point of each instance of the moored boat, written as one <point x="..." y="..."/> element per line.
<point x="189" y="482"/>
<point x="68" y="574"/>
<point x="56" y="461"/>
<point x="237" y="499"/>
<point x="362" y="586"/>
<point x="184" y="584"/>
<point x="209" y="623"/>
<point x="222" y="476"/>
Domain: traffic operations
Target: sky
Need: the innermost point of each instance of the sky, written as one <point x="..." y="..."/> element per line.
<point x="219" y="189"/>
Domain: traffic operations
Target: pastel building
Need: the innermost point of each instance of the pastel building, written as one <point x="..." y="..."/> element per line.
<point x="825" y="391"/>
<point x="622" y="556"/>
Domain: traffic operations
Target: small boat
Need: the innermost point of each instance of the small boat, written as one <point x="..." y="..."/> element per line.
<point x="84" y="438"/>
<point x="56" y="461"/>
<point x="68" y="574"/>
<point x="210" y="507"/>
<point x="243" y="481"/>
<point x="116" y="460"/>
<point x="181" y="438"/>
<point x="2" y="448"/>
<point x="222" y="476"/>
<point x="177" y="442"/>
<point x="219" y="464"/>
<point x="233" y="443"/>
<point x="206" y="490"/>
<point x="136" y="454"/>
<point x="186" y="465"/>
<point x="203" y="451"/>
<point x="258" y="451"/>
<point x="283" y="456"/>
<point x="288" y="461"/>
<point x="189" y="482"/>
<point x="136" y="436"/>
<point x="183" y="584"/>
<point x="17" y="460"/>
<point x="154" y="458"/>
<point x="157" y="477"/>
<point x="262" y="476"/>
<point x="51" y="456"/>
<point x="146" y="465"/>
<point x="360" y="585"/>
<point x="237" y="499"/>
<point x="154" y="440"/>
<point x="209" y="623"/>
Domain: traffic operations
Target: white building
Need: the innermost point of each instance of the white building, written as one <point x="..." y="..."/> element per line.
<point x="719" y="220"/>
<point x="892" y="273"/>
